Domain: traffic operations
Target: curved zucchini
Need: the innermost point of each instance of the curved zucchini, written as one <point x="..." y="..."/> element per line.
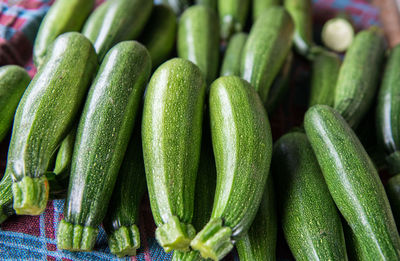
<point x="242" y="146"/>
<point x="13" y="82"/>
<point x="232" y="16"/>
<point x="171" y="135"/>
<point x="325" y="70"/>
<point x="116" y="21"/>
<point x="101" y="141"/>
<point x="393" y="192"/>
<point x="259" y="243"/>
<point x="266" y="49"/>
<point x="63" y="16"/>
<point x="198" y="39"/>
<point x="353" y="183"/>
<point x="356" y="83"/>
<point x="177" y="5"/>
<point x="233" y="55"/>
<point x="259" y="6"/>
<point x="159" y="34"/>
<point x="310" y="221"/>
<point x="44" y="116"/>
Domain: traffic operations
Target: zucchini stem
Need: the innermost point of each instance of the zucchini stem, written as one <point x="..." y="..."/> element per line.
<point x="124" y="241"/>
<point x="30" y="195"/>
<point x="74" y="237"/>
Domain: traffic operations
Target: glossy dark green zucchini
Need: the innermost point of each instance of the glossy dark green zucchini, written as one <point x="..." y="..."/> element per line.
<point x="101" y="141"/>
<point x="233" y="55"/>
<point x="232" y="16"/>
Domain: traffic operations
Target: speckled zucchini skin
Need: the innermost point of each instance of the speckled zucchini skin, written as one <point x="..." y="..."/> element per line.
<point x="198" y="39"/>
<point x="232" y="16"/>
<point x="63" y="16"/>
<point x="259" y="243"/>
<point x="171" y="136"/>
<point x="353" y="183"/>
<point x="102" y="138"/>
<point x="160" y="33"/>
<point x="356" y="83"/>
<point x="260" y="5"/>
<point x="116" y="21"/>
<point x="325" y="70"/>
<point x="44" y="117"/>
<point x="266" y="49"/>
<point x="233" y="55"/>
<point x="311" y="224"/>
<point x="6" y="198"/>
<point x="13" y="82"/>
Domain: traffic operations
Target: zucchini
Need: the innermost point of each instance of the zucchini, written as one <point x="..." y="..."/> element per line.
<point x="116" y="21"/>
<point x="232" y="16"/>
<point x="387" y="112"/>
<point x="159" y="34"/>
<point x="44" y="116"/>
<point x="101" y="141"/>
<point x="301" y="12"/>
<point x="356" y="83"/>
<point x="122" y="215"/>
<point x="64" y="155"/>
<point x="325" y="70"/>
<point x="310" y="221"/>
<point x="212" y="4"/>
<point x="242" y="144"/>
<point x="198" y="39"/>
<point x="260" y="5"/>
<point x="13" y="82"/>
<point x="393" y="192"/>
<point x="6" y="197"/>
<point x="171" y="136"/>
<point x="266" y="49"/>
<point x="233" y="55"/>
<point x="337" y="34"/>
<point x="177" y="5"/>
<point x="259" y="243"/>
<point x="63" y="16"/>
<point x="353" y="183"/>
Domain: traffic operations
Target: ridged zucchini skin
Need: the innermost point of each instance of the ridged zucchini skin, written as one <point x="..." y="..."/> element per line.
<point x="233" y="55"/>
<point x="212" y="4"/>
<point x="122" y="215"/>
<point x="177" y="5"/>
<point x="242" y="145"/>
<point x="325" y="70"/>
<point x="311" y="224"/>
<point x="116" y="21"/>
<point x="388" y="112"/>
<point x="63" y="16"/>
<point x="44" y="117"/>
<point x="198" y="39"/>
<point x="101" y="141"/>
<point x="232" y="16"/>
<point x="171" y="136"/>
<point x="393" y="192"/>
<point x="353" y="183"/>
<point x="266" y="49"/>
<point x="259" y="243"/>
<point x="13" y="82"/>
<point x="260" y="5"/>
<point x="160" y="33"/>
<point x="356" y="83"/>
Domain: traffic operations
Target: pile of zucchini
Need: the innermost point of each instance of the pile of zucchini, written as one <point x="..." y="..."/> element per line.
<point x="134" y="97"/>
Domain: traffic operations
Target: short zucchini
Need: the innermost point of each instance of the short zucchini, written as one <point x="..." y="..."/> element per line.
<point x="233" y="55"/>
<point x="232" y="16"/>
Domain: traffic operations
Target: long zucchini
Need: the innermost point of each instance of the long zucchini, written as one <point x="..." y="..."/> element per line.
<point x="242" y="144"/>
<point x="259" y="6"/>
<point x="353" y="183"/>
<point x="171" y="136"/>
<point x="232" y="16"/>
<point x="233" y="55"/>
<point x="102" y="138"/>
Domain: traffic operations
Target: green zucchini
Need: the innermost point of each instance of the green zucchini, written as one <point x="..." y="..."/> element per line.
<point x="325" y="70"/>
<point x="387" y="112"/>
<point x="310" y="221"/>
<point x="101" y="141"/>
<point x="301" y="12"/>
<point x="6" y="197"/>
<point x="242" y="144"/>
<point x="171" y="135"/>
<point x="259" y="243"/>
<point x="122" y="215"/>
<point x="159" y="34"/>
<point x="198" y="39"/>
<point x="13" y="82"/>
<point x="356" y="83"/>
<point x="393" y="192"/>
<point x="116" y="21"/>
<point x="63" y="16"/>
<point x="212" y="4"/>
<point x="44" y="116"/>
<point x="353" y="183"/>
<point x="177" y="5"/>
<point x="260" y="5"/>
<point x="232" y="16"/>
<point x="266" y="49"/>
<point x="64" y="154"/>
<point x="233" y="55"/>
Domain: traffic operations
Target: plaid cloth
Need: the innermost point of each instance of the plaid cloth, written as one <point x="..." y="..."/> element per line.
<point x="34" y="237"/>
